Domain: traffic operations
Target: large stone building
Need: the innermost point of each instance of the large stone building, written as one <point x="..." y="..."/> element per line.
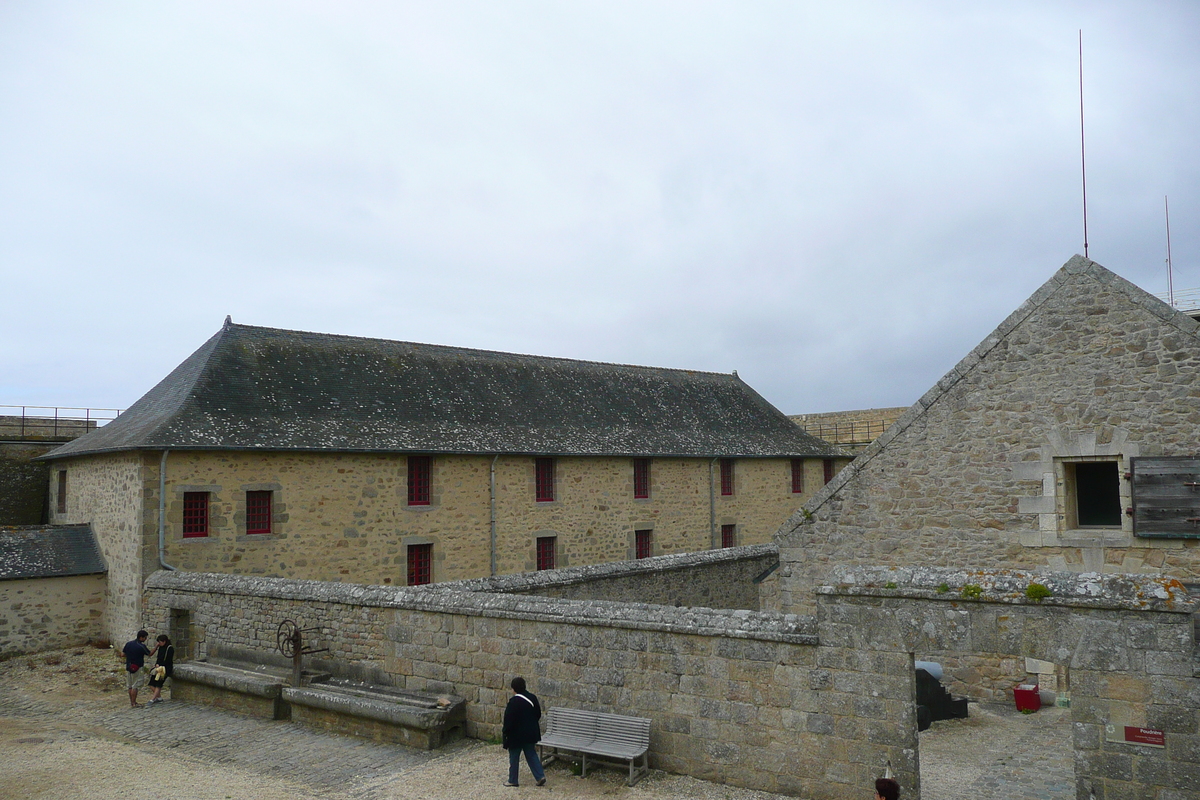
<point x="336" y="458"/>
<point x="1067" y="440"/>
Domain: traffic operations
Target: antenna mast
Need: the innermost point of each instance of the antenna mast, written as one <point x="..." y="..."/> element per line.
<point x="1082" y="151"/>
<point x="1170" y="275"/>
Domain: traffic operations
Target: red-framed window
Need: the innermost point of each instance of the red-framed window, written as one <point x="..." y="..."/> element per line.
<point x="62" y="491"/>
<point x="643" y="544"/>
<point x="195" y="514"/>
<point x="420" y="564"/>
<point x="544" y="480"/>
<point x="726" y="476"/>
<point x="797" y="476"/>
<point x="641" y="478"/>
<point x="729" y="536"/>
<point x="258" y="512"/>
<point x="828" y="464"/>
<point x="545" y="551"/>
<point x="420" y="479"/>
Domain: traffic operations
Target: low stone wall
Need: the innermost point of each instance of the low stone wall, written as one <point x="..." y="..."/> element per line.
<point x="736" y="696"/>
<point x="710" y="579"/>
<point x="50" y="613"/>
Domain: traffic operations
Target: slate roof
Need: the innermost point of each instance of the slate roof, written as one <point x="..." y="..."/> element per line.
<point x="48" y="551"/>
<point x="252" y="388"/>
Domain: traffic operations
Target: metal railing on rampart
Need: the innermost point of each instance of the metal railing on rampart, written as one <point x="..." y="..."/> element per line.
<point x="51" y="423"/>
<point x="847" y="431"/>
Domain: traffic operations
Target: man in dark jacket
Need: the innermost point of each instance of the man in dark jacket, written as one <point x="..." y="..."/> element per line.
<point x="522" y="733"/>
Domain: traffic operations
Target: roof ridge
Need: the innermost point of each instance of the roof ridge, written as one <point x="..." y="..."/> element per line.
<point x="481" y="351"/>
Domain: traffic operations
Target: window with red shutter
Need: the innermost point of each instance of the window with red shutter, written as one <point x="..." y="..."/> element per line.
<point x="545" y="551"/>
<point x="195" y="514"/>
<point x="258" y="512"/>
<point x="641" y="478"/>
<point x="420" y="564"/>
<point x="420" y="479"/>
<point x="544" y="480"/>
<point x="797" y="476"/>
<point x="726" y="476"/>
<point x="728" y="536"/>
<point x="643" y="544"/>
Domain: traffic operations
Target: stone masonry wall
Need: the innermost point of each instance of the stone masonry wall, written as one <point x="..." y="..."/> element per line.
<point x="709" y="579"/>
<point x="1090" y="368"/>
<point x="345" y="517"/>
<point x="738" y="697"/>
<point x="107" y="491"/>
<point x="50" y="613"/>
<point x="23" y="483"/>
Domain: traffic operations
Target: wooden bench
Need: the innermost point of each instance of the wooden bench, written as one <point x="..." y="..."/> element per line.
<point x="606" y="736"/>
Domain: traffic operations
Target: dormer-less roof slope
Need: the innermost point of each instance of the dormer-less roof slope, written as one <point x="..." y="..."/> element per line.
<point x="48" y="551"/>
<point x="250" y="388"/>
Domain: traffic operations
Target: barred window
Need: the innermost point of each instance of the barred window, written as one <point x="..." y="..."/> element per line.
<point x="545" y="551"/>
<point x="797" y="476"/>
<point x="258" y="512"/>
<point x="643" y="544"/>
<point x="728" y="536"/>
<point x="544" y="480"/>
<point x="195" y="514"/>
<point x="828" y="464"/>
<point x="726" y="476"/>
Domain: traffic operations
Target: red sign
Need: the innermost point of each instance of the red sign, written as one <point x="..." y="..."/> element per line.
<point x="1144" y="736"/>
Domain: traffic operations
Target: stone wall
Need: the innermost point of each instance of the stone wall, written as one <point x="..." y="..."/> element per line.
<point x="739" y="697"/>
<point x="107" y="492"/>
<point x="710" y="579"/>
<point x="23" y="482"/>
<point x="1090" y="368"/>
<point x="50" y="613"/>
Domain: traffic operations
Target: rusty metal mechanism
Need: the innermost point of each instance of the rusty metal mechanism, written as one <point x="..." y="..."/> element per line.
<point x="289" y="639"/>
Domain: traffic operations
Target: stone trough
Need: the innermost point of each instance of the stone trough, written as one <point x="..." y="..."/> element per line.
<point x="382" y="713"/>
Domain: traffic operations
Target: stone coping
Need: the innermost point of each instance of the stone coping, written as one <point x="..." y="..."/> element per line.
<point x="229" y="678"/>
<point x="388" y="708"/>
<point x="1130" y="592"/>
<point x="734" y="624"/>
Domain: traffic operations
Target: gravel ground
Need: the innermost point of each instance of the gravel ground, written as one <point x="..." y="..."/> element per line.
<point x="66" y="732"/>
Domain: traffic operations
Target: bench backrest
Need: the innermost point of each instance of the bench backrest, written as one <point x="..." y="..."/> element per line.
<point x="600" y="726"/>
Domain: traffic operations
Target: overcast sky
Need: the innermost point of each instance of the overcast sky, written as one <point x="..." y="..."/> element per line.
<point x="838" y="200"/>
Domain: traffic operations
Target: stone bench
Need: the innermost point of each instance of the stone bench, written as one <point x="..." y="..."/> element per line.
<point x="608" y="736"/>
<point x="259" y="694"/>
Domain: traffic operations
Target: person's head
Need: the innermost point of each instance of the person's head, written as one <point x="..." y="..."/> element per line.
<point x="887" y="789"/>
<point x="142" y="636"/>
<point x="163" y="639"/>
<point x="518" y="685"/>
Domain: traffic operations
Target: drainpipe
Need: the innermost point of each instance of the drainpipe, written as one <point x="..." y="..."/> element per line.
<point x="712" y="508"/>
<point x="492" y="503"/>
<point x="162" y="512"/>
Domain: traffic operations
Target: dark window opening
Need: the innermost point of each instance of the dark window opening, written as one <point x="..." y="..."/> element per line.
<point x="544" y="480"/>
<point x="643" y="543"/>
<point x="195" y="514"/>
<point x="1098" y="493"/>
<point x="641" y="478"/>
<point x="545" y="551"/>
<point x="728" y="536"/>
<point x="258" y="512"/>
<point x="828" y="464"/>
<point x="726" y="476"/>
<point x="420" y="564"/>
<point x="62" y="491"/>
<point x="420" y="479"/>
<point x="797" y="476"/>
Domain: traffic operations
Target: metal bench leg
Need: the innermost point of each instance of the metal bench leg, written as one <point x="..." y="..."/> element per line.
<point x="582" y="764"/>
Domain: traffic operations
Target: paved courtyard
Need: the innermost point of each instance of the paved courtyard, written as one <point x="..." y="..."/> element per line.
<point x="66" y="731"/>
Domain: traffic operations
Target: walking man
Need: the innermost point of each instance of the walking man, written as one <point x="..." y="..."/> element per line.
<point x="521" y="732"/>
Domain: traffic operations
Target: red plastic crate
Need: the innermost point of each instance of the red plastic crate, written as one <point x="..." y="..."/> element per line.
<point x="1027" y="699"/>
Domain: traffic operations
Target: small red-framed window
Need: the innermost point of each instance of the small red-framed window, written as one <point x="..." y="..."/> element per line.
<point x="828" y="465"/>
<point x="643" y="543"/>
<point x="195" y="514"/>
<point x="726" y="476"/>
<point x="420" y="479"/>
<point x="545" y="551"/>
<point x="420" y="564"/>
<point x="258" y="512"/>
<point x="797" y="476"/>
<point x="62" y="491"/>
<point x="728" y="535"/>
<point x="544" y="480"/>
<point x="641" y="478"/>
